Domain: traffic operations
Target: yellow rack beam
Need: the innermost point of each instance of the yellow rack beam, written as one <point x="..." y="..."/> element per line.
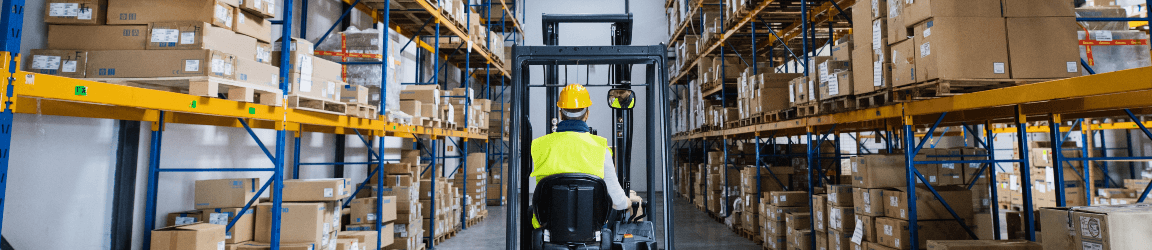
<point x="55" y="95"/>
<point x="1084" y="96"/>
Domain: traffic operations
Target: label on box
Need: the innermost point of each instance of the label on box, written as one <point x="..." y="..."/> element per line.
<point x="833" y="85"/>
<point x="925" y="50"/>
<point x="185" y="220"/>
<point x="893" y="8"/>
<point x="892" y="200"/>
<point x="69" y="66"/>
<point x="371" y="217"/>
<point x="928" y="31"/>
<point x="1092" y="246"/>
<point x="220" y="245"/>
<point x="1072" y="68"/>
<point x="271" y="7"/>
<point x="187" y="37"/>
<point x="877" y="33"/>
<point x="1103" y="35"/>
<point x="791" y="94"/>
<point x="332" y="90"/>
<point x="328" y="193"/>
<point x="45" y="62"/>
<point x="948" y="165"/>
<point x="217" y="66"/>
<point x="998" y="68"/>
<point x="191" y="65"/>
<point x="227" y="68"/>
<point x="63" y="9"/>
<point x="223" y="15"/>
<point x="888" y="230"/>
<point x="858" y="233"/>
<point x="240" y="17"/>
<point x="164" y="35"/>
<point x="1090" y="227"/>
<point x="877" y="74"/>
<point x="811" y="97"/>
<point x="263" y="55"/>
<point x="218" y="218"/>
<point x="867" y="198"/>
<point x="84" y="14"/>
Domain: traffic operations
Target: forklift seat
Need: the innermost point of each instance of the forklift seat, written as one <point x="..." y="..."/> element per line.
<point x="572" y="210"/>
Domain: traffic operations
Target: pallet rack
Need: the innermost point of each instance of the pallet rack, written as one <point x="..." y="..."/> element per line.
<point x="1055" y="101"/>
<point x="33" y="93"/>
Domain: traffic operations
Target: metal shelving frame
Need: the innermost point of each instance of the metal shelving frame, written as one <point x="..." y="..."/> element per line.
<point x="33" y="93"/>
<point x="1075" y="98"/>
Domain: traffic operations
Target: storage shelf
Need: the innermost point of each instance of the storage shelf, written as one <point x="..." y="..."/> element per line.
<point x="1079" y="97"/>
<point x="818" y="15"/>
<point x="55" y="95"/>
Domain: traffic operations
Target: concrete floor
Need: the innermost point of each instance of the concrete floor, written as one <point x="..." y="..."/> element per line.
<point x="694" y="230"/>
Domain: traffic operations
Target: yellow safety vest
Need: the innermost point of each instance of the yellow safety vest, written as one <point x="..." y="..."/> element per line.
<point x="567" y="152"/>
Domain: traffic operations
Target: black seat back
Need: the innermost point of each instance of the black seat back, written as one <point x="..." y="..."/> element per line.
<point x="572" y="207"/>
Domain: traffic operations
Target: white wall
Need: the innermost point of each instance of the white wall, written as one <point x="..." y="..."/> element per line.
<point x="649" y="28"/>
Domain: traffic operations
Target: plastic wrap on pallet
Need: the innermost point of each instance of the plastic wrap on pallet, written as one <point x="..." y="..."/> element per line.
<point x="1109" y="58"/>
<point x="1099" y="12"/>
<point x="368" y="42"/>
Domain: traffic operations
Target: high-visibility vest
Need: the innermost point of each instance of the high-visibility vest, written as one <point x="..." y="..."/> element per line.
<point x="567" y="152"/>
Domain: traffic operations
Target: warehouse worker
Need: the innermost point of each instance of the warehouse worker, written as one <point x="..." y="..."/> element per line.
<point x="571" y="149"/>
<point x="619" y="97"/>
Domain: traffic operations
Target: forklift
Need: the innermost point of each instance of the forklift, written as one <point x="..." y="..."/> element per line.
<point x="574" y="210"/>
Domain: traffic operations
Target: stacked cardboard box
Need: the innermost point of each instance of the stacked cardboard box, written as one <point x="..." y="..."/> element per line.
<point x="880" y="201"/>
<point x="400" y="181"/>
<point x="140" y="39"/>
<point x="751" y="193"/>
<point x="785" y="212"/>
<point x="1098" y="227"/>
<point x="474" y="184"/>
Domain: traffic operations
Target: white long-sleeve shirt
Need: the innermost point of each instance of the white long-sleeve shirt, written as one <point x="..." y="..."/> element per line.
<point x="619" y="197"/>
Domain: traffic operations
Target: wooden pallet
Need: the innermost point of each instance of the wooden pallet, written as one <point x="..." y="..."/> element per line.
<point x="874" y="99"/>
<point x="396" y="119"/>
<point x="317" y="105"/>
<point x="838" y="104"/>
<point x="206" y="86"/>
<point x="362" y="110"/>
<point x="779" y="115"/>
<point x="807" y="109"/>
<point x="950" y="87"/>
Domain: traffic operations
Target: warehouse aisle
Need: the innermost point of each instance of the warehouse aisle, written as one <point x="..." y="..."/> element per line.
<point x="694" y="231"/>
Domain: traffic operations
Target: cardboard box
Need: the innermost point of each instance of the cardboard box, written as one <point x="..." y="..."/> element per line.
<point x="199" y="35"/>
<point x="776" y="213"/>
<point x="241" y="231"/>
<point x="867" y="226"/>
<point x="799" y="239"/>
<point x="250" y="71"/>
<point x="1137" y="184"/>
<point x="1042" y="47"/>
<point x="283" y="246"/>
<point x="893" y="232"/>
<point x="868" y="201"/>
<point x="254" y="26"/>
<point x="927" y="206"/>
<point x="364" y="210"/>
<point x="798" y="93"/>
<point x="102" y="37"/>
<point x="798" y="221"/>
<point x="325" y="189"/>
<point x="983" y="245"/>
<point x="775" y="228"/>
<point x="184" y="218"/>
<point x="263" y="8"/>
<point x="903" y="63"/>
<point x="874" y="246"/>
<point x="820" y="211"/>
<point x="225" y="193"/>
<point x="841" y="218"/>
<point x="862" y="72"/>
<point x="1106" y="227"/>
<point x="839" y="240"/>
<point x="426" y="94"/>
<point x="159" y="63"/>
<point x="961" y="48"/>
<point x="345" y="244"/>
<point x="838" y="84"/>
<point x="876" y="171"/>
<point x="774" y="90"/>
<point x="86" y="12"/>
<point x="839" y="195"/>
<point x="367" y="239"/>
<point x="300" y="222"/>
<point x="218" y="13"/>
<point x="355" y="94"/>
<point x="66" y="63"/>
<point x="919" y="11"/>
<point x="789" y="198"/>
<point x="199" y="236"/>
<point x="1037" y="8"/>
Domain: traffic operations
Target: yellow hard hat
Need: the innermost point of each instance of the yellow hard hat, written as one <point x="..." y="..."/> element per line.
<point x="574" y="96"/>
